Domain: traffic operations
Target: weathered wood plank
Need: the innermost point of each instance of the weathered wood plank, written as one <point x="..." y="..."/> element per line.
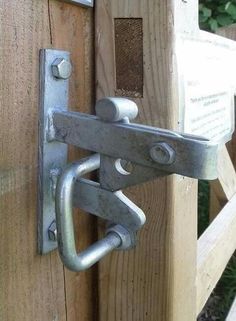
<point x="34" y="287"/>
<point x="72" y="30"/>
<point x="224" y="188"/>
<point x="227" y="174"/>
<point x="215" y="248"/>
<point x="217" y="200"/>
<point x="156" y="281"/>
<point x="216" y="187"/>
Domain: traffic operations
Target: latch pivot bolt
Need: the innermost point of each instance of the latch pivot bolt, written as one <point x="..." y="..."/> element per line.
<point x="61" y="68"/>
<point x="163" y="154"/>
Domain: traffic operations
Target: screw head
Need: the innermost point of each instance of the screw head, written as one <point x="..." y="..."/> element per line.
<point x="52" y="232"/>
<point x="61" y="68"/>
<point x="163" y="154"/>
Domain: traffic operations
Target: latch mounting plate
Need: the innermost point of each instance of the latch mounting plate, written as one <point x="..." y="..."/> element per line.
<point x="53" y="155"/>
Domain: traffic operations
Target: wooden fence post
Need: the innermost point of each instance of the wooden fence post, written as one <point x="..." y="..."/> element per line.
<point x="217" y="201"/>
<point x="156" y="281"/>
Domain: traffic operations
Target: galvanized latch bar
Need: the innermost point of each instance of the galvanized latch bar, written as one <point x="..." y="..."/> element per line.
<point x="146" y="146"/>
<point x="126" y="154"/>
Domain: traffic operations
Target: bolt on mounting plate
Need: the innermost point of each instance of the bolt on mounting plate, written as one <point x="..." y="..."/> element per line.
<point x="61" y="68"/>
<point x="53" y="155"/>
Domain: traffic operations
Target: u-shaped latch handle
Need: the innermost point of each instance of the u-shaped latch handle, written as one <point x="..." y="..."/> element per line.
<point x="65" y="227"/>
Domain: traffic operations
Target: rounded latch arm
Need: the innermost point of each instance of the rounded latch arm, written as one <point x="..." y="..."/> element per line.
<point x="64" y="217"/>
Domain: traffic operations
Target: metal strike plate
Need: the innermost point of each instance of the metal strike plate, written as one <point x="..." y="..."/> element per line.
<point x="84" y="3"/>
<point x="53" y="155"/>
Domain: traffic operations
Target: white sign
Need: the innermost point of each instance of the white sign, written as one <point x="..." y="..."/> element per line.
<point x="206" y="89"/>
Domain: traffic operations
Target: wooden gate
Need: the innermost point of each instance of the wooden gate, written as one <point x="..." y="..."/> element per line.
<point x="170" y="274"/>
<point x="34" y="287"/>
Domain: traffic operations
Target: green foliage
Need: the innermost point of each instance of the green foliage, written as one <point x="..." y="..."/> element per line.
<point x="214" y="14"/>
<point x="203" y="206"/>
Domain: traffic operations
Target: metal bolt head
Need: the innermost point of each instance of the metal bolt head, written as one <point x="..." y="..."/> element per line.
<point x="52" y="232"/>
<point x="162" y="153"/>
<point x="61" y="68"/>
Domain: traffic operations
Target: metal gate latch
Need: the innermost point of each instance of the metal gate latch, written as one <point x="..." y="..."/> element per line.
<point x="125" y="154"/>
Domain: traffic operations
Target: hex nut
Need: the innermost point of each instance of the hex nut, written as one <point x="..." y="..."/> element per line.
<point x="128" y="238"/>
<point x="61" y="68"/>
<point x="163" y="154"/>
<point x="52" y="232"/>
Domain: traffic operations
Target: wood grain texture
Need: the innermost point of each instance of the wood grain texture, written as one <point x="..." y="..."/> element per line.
<point x="224" y="188"/>
<point x="34" y="287"/>
<point x="217" y="200"/>
<point x="227" y="174"/>
<point x="215" y="248"/>
<point x="156" y="281"/>
<point x="72" y="30"/>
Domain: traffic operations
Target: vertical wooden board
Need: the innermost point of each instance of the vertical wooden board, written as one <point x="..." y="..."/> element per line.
<point x="156" y="281"/>
<point x="227" y="32"/>
<point x="224" y="188"/>
<point x="72" y="29"/>
<point x="216" y="203"/>
<point x="215" y="248"/>
<point x="34" y="287"/>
